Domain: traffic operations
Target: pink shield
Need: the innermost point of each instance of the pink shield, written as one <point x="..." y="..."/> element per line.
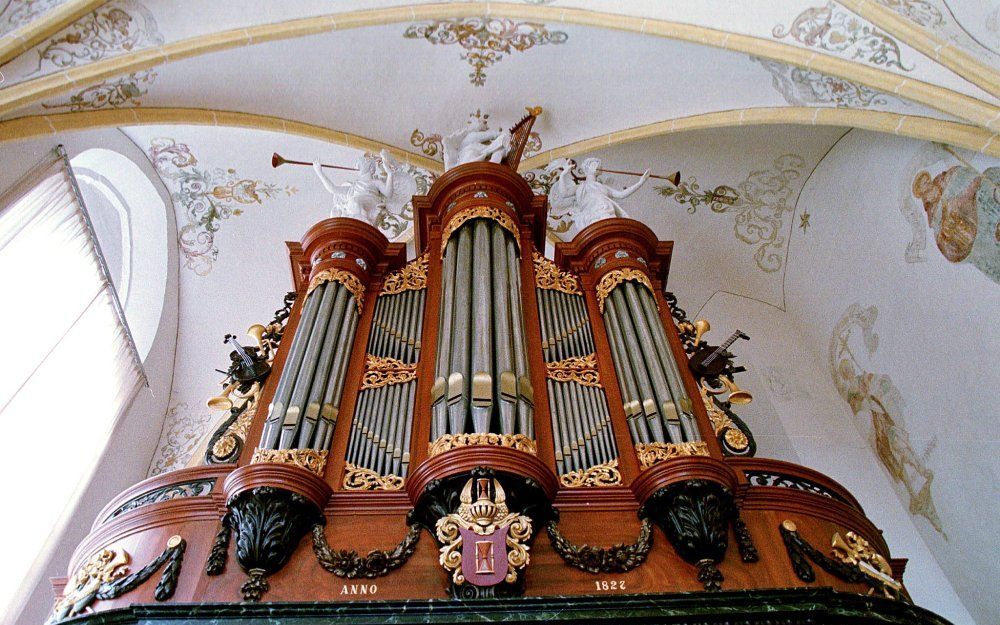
<point x="484" y="558"/>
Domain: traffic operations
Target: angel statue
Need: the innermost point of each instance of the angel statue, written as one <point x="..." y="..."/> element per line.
<point x="368" y="196"/>
<point x="475" y="143"/>
<point x="586" y="199"/>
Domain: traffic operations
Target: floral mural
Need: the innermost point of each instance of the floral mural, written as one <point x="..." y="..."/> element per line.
<point x="806" y="87"/>
<point x="117" y="27"/>
<point x="205" y="198"/>
<point x="486" y="40"/>
<point x="430" y="144"/>
<point x="834" y="29"/>
<point x="920" y="11"/>
<point x="759" y="206"/>
<point x="879" y="406"/>
<point x="182" y="430"/>
<point x="108" y="94"/>
<point x="17" y="13"/>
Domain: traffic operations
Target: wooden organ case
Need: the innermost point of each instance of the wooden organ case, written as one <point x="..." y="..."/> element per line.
<point x="482" y="433"/>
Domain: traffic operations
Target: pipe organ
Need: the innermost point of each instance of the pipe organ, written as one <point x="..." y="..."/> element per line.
<point x="484" y="423"/>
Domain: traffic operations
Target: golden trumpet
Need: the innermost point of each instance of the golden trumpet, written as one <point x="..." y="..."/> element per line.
<point x="256" y="332"/>
<point x="701" y="326"/>
<point x="737" y="395"/>
<point x="222" y="401"/>
<point x="685" y="327"/>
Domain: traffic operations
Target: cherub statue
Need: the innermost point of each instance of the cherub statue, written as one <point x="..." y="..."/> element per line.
<point x="367" y="194"/>
<point x="475" y="143"/>
<point x="586" y="199"/>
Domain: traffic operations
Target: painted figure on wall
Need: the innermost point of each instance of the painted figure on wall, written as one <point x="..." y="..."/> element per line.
<point x="963" y="212"/>
<point x="874" y="398"/>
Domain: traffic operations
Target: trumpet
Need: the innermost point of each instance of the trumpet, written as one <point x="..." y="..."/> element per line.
<point x="701" y="326"/>
<point x="256" y="332"/>
<point x="737" y="395"/>
<point x="222" y="401"/>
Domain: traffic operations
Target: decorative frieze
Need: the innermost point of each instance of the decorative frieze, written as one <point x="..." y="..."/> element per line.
<point x="519" y="442"/>
<point x="651" y="453"/>
<point x="604" y="474"/>
<point x="312" y="460"/>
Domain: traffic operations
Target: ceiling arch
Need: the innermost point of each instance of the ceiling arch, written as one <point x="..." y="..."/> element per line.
<point x="947" y="100"/>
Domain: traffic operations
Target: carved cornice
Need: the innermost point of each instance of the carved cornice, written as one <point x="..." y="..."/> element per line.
<point x="359" y="478"/>
<point x="385" y="371"/>
<point x="612" y="279"/>
<point x="475" y="212"/>
<point x="412" y="277"/>
<point x="451" y="441"/>
<point x="549" y="276"/>
<point x="651" y="453"/>
<point x="605" y="474"/>
<point x="579" y="369"/>
<point x="346" y="278"/>
<point x="312" y="460"/>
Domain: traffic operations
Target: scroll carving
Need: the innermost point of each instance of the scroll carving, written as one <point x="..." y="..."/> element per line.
<point x="377" y="563"/>
<point x="579" y="369"/>
<point x="733" y="436"/>
<point x="359" y="478"/>
<point x="451" y="441"/>
<point x="613" y="278"/>
<point x="312" y="460"/>
<point x="651" y="453"/>
<point x="548" y="276"/>
<point x="619" y="558"/>
<point x="346" y="278"/>
<point x="486" y="212"/>
<point x="385" y="371"/>
<point x="604" y="474"/>
<point x="412" y="277"/>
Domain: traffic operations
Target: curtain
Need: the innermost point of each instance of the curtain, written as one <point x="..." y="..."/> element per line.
<point x="69" y="371"/>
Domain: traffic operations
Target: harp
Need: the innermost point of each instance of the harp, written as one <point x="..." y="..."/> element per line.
<point x="519" y="133"/>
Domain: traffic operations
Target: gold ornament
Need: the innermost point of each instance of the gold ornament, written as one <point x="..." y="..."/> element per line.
<point x="412" y="277"/>
<point x="548" y="276"/>
<point x="346" y="278"/>
<point x="485" y="212"/>
<point x="105" y="566"/>
<point x="734" y="436"/>
<point x="451" y="441"/>
<point x="484" y="517"/>
<point x="311" y="460"/>
<point x="384" y="371"/>
<point x="854" y="550"/>
<point x="579" y="369"/>
<point x="651" y="453"/>
<point x="605" y="474"/>
<point x="358" y="478"/>
<point x="612" y="279"/>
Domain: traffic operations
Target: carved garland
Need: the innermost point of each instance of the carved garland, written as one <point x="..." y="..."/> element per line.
<point x="451" y="441"/>
<point x="377" y="563"/>
<point x="312" y="460"/>
<point x="346" y="278"/>
<point x="604" y="474"/>
<point x="579" y="369"/>
<point x="385" y="371"/>
<point x="474" y="212"/>
<point x="548" y="276"/>
<point x="651" y="453"/>
<point x="359" y="478"/>
<point x="619" y="558"/>
<point x="412" y="277"/>
<point x="613" y="278"/>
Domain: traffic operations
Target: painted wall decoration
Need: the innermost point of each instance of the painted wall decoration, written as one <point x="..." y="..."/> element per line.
<point x="430" y="144"/>
<point x="486" y="40"/>
<point x="834" y="29"/>
<point x="117" y="27"/>
<point x="205" y="197"/>
<point x="962" y="208"/>
<point x="17" y="13"/>
<point x="805" y="87"/>
<point x="112" y="93"/>
<point x="880" y="409"/>
<point x="920" y="11"/>
<point x="759" y="205"/>
<point x="182" y="431"/>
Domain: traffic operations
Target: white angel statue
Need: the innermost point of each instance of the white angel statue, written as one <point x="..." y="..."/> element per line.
<point x="586" y="200"/>
<point x="475" y="143"/>
<point x="371" y="192"/>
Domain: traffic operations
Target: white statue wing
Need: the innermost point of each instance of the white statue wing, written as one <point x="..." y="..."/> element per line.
<point x="404" y="187"/>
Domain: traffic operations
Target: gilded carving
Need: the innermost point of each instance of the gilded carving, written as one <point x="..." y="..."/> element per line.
<point x="484" y="543"/>
<point x="104" y="566"/>
<point x="604" y="474"/>
<point x="385" y="371"/>
<point x="854" y="550"/>
<point x="346" y="278"/>
<point x="312" y="460"/>
<point x="359" y="478"/>
<point x="579" y="369"/>
<point x="651" y="453"/>
<point x="613" y="278"/>
<point x="485" y="212"/>
<point x="734" y="436"/>
<point x="519" y="442"/>
<point x="412" y="277"/>
<point x="548" y="276"/>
